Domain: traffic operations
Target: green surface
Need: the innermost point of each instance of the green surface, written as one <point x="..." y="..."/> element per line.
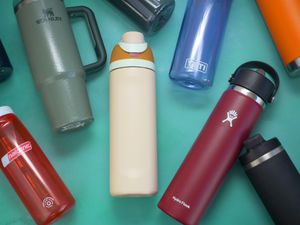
<point x="82" y="157"/>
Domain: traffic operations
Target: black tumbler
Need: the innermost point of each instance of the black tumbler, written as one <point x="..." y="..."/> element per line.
<point x="274" y="177"/>
<point x="5" y="65"/>
<point x="151" y="15"/>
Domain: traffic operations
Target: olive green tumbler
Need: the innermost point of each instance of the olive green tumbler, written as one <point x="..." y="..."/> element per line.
<point x="55" y="61"/>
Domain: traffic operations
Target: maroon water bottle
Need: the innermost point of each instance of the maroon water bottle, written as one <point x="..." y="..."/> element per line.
<point x="219" y="143"/>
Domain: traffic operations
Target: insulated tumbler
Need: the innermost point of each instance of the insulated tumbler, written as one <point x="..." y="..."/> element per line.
<point x="5" y="65"/>
<point x="218" y="144"/>
<point x="199" y="43"/>
<point x="282" y="17"/>
<point x="55" y="61"/>
<point x="151" y="15"/>
<point x="133" y="153"/>
<point x="274" y="177"/>
<point x="30" y="173"/>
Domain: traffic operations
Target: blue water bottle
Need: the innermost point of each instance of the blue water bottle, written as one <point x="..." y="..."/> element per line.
<point x="199" y="42"/>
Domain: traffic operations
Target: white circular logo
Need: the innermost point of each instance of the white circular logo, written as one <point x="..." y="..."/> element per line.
<point x="48" y="202"/>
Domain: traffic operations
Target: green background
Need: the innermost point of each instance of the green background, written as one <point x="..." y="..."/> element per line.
<point x="82" y="157"/>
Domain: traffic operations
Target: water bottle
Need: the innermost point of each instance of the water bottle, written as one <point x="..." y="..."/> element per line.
<point x="6" y="68"/>
<point x="55" y="61"/>
<point x="30" y="173"/>
<point x="219" y="143"/>
<point x="283" y="20"/>
<point x="199" y="43"/>
<point x="133" y="153"/>
<point x="151" y="15"/>
<point x="274" y="177"/>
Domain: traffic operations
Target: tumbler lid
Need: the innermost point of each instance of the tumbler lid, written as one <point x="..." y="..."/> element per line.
<point x="256" y="147"/>
<point x="251" y="75"/>
<point x="4" y="110"/>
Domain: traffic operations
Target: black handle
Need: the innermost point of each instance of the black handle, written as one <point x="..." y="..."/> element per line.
<point x="88" y="15"/>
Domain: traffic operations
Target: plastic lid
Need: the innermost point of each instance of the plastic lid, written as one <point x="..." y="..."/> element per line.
<point x="256" y="147"/>
<point x="133" y="37"/>
<point x="4" y="110"/>
<point x="251" y="75"/>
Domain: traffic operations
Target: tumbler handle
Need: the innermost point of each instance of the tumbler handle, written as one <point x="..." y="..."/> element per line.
<point x="89" y="17"/>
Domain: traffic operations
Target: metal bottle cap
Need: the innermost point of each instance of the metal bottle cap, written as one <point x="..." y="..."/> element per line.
<point x="251" y="75"/>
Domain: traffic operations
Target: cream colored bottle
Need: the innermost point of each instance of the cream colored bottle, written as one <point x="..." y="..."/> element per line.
<point x="133" y="147"/>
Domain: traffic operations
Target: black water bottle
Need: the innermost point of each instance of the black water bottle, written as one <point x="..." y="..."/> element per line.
<point x="151" y="15"/>
<point x="5" y="65"/>
<point x="274" y="177"/>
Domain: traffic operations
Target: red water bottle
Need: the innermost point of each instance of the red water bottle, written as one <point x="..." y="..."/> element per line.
<point x="218" y="145"/>
<point x="30" y="173"/>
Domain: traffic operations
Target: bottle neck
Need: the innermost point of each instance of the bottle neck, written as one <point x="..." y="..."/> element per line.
<point x="249" y="94"/>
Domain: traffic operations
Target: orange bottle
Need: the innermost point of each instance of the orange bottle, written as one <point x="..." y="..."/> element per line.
<point x="282" y="18"/>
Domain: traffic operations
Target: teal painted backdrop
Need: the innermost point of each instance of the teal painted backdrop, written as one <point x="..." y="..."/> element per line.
<point x="82" y="157"/>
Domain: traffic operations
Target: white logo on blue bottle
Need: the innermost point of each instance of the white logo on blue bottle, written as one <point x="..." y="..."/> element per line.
<point x="195" y="65"/>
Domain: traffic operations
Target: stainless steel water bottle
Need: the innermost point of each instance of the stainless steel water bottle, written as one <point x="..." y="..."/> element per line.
<point x="55" y="61"/>
<point x="151" y="15"/>
<point x="282" y="18"/>
<point x="133" y="154"/>
<point x="5" y="65"/>
<point x="218" y="145"/>
<point x="274" y="177"/>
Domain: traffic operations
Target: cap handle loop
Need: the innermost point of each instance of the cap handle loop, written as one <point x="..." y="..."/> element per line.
<point x="267" y="68"/>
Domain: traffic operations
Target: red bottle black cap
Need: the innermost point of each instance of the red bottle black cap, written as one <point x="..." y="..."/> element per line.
<point x="251" y="75"/>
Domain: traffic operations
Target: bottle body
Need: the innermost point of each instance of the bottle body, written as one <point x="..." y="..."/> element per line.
<point x="199" y="43"/>
<point x="31" y="174"/>
<point x="210" y="158"/>
<point x="151" y="15"/>
<point x="282" y="20"/>
<point x="276" y="181"/>
<point x="133" y="145"/>
<point x="55" y="62"/>
<point x="133" y="132"/>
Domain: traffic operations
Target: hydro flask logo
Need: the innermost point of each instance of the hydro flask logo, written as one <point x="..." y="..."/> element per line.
<point x="195" y="65"/>
<point x="48" y="16"/>
<point x="231" y="116"/>
<point x="181" y="202"/>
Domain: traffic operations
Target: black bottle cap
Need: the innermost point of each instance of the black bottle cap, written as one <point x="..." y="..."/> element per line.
<point x="251" y="75"/>
<point x="256" y="147"/>
<point x="5" y="65"/>
<point x="151" y="15"/>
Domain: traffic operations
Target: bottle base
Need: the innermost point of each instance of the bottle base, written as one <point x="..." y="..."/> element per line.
<point x="173" y="216"/>
<point x="57" y="215"/>
<point x="141" y="194"/>
<point x="74" y="125"/>
<point x="192" y="84"/>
